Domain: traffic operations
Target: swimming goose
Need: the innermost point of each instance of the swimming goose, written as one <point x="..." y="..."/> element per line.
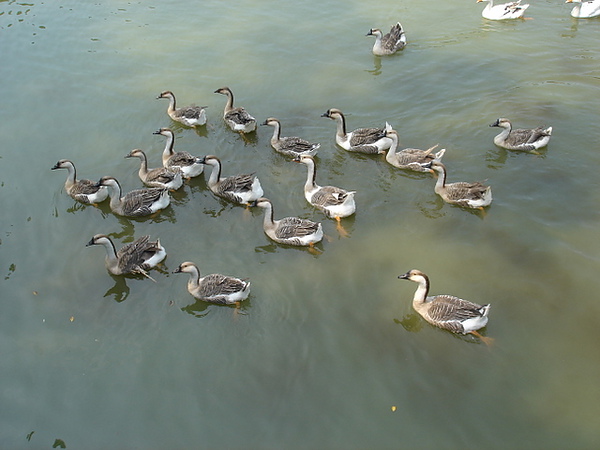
<point x="214" y="288"/>
<point x="139" y="202"/>
<point x="289" y="146"/>
<point x="189" y="115"/>
<point x="84" y="191"/>
<point x="585" y="10"/>
<point x="521" y="139"/>
<point x="362" y="140"/>
<point x="160" y="177"/>
<point x="335" y="202"/>
<point x="243" y="189"/>
<point x="511" y="10"/>
<point x="469" y="195"/>
<point x="135" y="258"/>
<point x="390" y="43"/>
<point x="446" y="311"/>
<point x="189" y="164"/>
<point x="238" y="118"/>
<point x="289" y="230"/>
<point x="411" y="158"/>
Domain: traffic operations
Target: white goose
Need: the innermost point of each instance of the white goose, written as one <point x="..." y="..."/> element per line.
<point x="362" y="140"/>
<point x="160" y="177"/>
<point x="214" y="288"/>
<point x="238" y="118"/>
<point x="335" y="202"/>
<point x="447" y="311"/>
<point x="139" y="202"/>
<point x="528" y="140"/>
<point x="242" y="189"/>
<point x="289" y="146"/>
<point x="468" y="195"/>
<point x="189" y="164"/>
<point x="135" y="258"/>
<point x="189" y="115"/>
<point x="585" y="10"/>
<point x="389" y="43"/>
<point x="504" y="11"/>
<point x="289" y="230"/>
<point x="84" y="191"/>
<point x="411" y="158"/>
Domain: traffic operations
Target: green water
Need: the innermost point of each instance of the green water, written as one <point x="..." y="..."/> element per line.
<point x="327" y="344"/>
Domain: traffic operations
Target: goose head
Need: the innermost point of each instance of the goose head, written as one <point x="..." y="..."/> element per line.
<point x="62" y="164"/>
<point x="108" y="181"/>
<point x="501" y="122"/>
<point x="224" y="91"/>
<point x="136" y="153"/>
<point x="304" y="159"/>
<point x="164" y="132"/>
<point x="375" y="32"/>
<point x="187" y="267"/>
<point x="332" y="113"/>
<point x="271" y="121"/>
<point x="262" y="202"/>
<point x="165" y="94"/>
<point x="210" y="160"/>
<point x="99" y="239"/>
<point x="414" y="275"/>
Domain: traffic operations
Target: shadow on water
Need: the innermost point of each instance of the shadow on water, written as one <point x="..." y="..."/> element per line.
<point x="413" y="323"/>
<point x="200" y="308"/>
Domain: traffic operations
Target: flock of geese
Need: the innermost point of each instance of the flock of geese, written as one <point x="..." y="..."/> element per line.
<point x="445" y="311"/>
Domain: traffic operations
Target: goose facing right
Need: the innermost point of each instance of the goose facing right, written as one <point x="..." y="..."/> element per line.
<point x="468" y="195"/>
<point x="361" y="140"/>
<point x="289" y="146"/>
<point x="447" y="311"/>
<point x="84" y="191"/>
<point x="522" y="139"/>
<point x="389" y="43"/>
<point x="135" y="258"/>
<point x="214" y="288"/>
<point x="137" y="203"/>
<point x="160" y="177"/>
<point x="289" y="230"/>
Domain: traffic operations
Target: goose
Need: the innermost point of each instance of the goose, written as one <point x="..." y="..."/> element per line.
<point x="585" y="10"/>
<point x="160" y="177"/>
<point x="469" y="195"/>
<point x="389" y="43"/>
<point x="134" y="258"/>
<point x="289" y="230"/>
<point x="214" y="288"/>
<point x="289" y="146"/>
<point x="362" y="140"/>
<point x="139" y="202"/>
<point x="84" y="191"/>
<point x="510" y="10"/>
<point x="446" y="311"/>
<point x="242" y="189"/>
<point x="238" y="118"/>
<point x="189" y="164"/>
<point x="335" y="202"/>
<point x="189" y="115"/>
<point x="411" y="158"/>
<point x="529" y="140"/>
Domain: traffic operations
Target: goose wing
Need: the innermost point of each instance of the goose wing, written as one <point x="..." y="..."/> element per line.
<point x="297" y="145"/>
<point x="395" y="39"/>
<point x="138" y="202"/>
<point x="466" y="191"/>
<point x="329" y="196"/>
<point x="239" y="115"/>
<point x="161" y="175"/>
<point x="216" y="285"/>
<point x="366" y="136"/>
<point x="191" y="112"/>
<point x="131" y="256"/>
<point x="237" y="183"/>
<point x="182" y="159"/>
<point x="84" y="187"/>
<point x="290" y="227"/>
<point x="449" y="312"/>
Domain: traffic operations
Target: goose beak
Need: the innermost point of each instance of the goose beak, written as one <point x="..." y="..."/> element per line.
<point x="55" y="166"/>
<point x="495" y="124"/>
<point x="404" y="276"/>
<point x="266" y="122"/>
<point x="325" y="114"/>
<point x="370" y="33"/>
<point x="178" y="270"/>
<point x="90" y="243"/>
<point x="156" y="132"/>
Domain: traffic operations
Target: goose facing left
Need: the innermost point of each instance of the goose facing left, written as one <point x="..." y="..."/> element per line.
<point x="411" y="158"/>
<point x="447" y="311"/>
<point x="214" y="288"/>
<point x="521" y="139"/>
<point x="389" y="43"/>
<point x="160" y="177"/>
<point x="188" y="115"/>
<point x="468" y="195"/>
<point x="289" y="146"/>
<point x="189" y="164"/>
<point x="242" y="189"/>
<point x="361" y="140"/>
<point x="84" y="191"/>
<point x="137" y="257"/>
<point x="139" y="202"/>
<point x="238" y="119"/>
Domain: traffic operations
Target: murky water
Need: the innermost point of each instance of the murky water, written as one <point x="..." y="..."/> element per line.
<point x="327" y="344"/>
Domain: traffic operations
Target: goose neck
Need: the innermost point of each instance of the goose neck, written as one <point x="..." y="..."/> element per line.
<point x="168" y="151"/>
<point x="215" y="174"/>
<point x="422" y="290"/>
<point x="311" y="174"/>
